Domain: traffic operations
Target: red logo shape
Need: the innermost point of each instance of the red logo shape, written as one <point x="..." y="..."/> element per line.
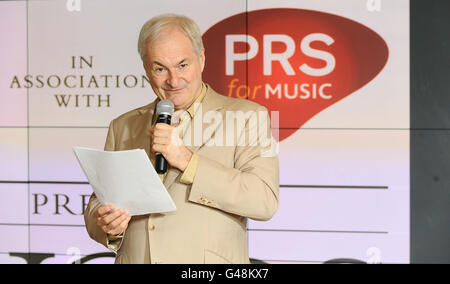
<point x="297" y="62"/>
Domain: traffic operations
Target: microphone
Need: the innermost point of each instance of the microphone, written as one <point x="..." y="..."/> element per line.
<point x="165" y="110"/>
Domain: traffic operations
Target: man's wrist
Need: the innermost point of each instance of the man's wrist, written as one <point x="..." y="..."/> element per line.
<point x="187" y="155"/>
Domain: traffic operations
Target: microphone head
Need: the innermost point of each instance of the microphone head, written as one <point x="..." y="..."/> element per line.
<point x="165" y="107"/>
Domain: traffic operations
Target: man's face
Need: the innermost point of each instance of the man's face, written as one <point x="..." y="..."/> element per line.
<point x="173" y="68"/>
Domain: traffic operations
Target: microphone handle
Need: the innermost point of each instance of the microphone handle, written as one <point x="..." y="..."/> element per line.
<point x="161" y="162"/>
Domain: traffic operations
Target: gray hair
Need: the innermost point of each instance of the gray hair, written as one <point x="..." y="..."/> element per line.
<point x="152" y="29"/>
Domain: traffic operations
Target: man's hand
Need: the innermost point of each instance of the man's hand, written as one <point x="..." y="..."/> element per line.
<point x="113" y="222"/>
<point x="166" y="141"/>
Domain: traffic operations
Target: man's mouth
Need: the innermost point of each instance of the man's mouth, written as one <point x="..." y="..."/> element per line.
<point x="173" y="91"/>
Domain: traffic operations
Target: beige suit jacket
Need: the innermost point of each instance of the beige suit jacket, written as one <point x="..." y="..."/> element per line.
<point x="233" y="182"/>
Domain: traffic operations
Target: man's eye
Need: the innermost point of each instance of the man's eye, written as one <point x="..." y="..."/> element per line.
<point x="159" y="70"/>
<point x="184" y="65"/>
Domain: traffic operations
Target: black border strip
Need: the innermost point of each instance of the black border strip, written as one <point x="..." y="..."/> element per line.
<point x="429" y="113"/>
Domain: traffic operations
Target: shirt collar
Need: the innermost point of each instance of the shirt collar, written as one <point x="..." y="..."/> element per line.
<point x="193" y="108"/>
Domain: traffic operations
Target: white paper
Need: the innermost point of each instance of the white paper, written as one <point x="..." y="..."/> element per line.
<point x="126" y="179"/>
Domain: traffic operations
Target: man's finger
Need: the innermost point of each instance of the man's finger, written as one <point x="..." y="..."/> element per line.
<point x="116" y="223"/>
<point x="107" y="219"/>
<point x="105" y="209"/>
<point x="158" y="148"/>
<point x="163" y="126"/>
<point x="161" y="133"/>
<point x="122" y="227"/>
<point x="161" y="140"/>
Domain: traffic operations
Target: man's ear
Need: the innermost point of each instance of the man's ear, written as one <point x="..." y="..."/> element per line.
<point x="202" y="59"/>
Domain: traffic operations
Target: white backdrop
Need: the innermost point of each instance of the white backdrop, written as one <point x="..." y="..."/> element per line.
<point x="344" y="173"/>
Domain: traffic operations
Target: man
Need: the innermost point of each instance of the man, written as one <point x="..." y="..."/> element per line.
<point x="215" y="185"/>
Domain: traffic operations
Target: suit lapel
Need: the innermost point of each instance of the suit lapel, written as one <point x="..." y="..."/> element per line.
<point x="147" y="117"/>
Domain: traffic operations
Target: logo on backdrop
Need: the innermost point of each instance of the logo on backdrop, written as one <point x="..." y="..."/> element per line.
<point x="297" y="62"/>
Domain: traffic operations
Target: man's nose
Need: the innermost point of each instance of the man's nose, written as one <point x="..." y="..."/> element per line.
<point x="173" y="79"/>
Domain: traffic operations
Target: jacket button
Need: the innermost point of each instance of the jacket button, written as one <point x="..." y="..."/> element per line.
<point x="151" y="227"/>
